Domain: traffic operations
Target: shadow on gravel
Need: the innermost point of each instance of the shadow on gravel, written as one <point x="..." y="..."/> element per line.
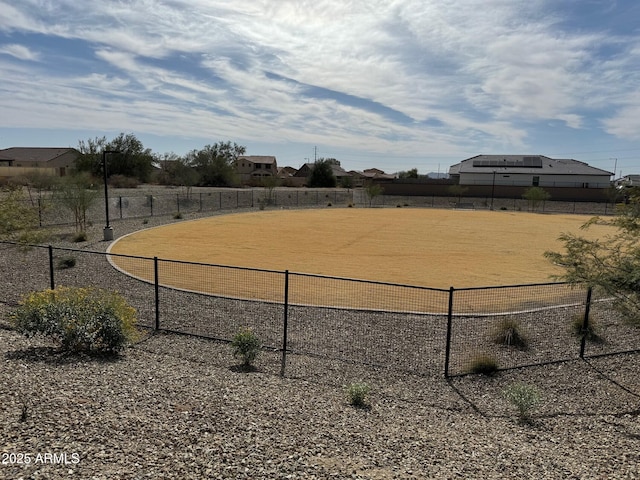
<point x="244" y="369"/>
<point x="55" y="356"/>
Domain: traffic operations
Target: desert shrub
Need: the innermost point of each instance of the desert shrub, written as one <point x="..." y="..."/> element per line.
<point x="122" y="181"/>
<point x="66" y="262"/>
<point x="508" y="332"/>
<point x="523" y="397"/>
<point x="357" y="394"/>
<point x="483" y="364"/>
<point x="79" y="237"/>
<point x="329" y="204"/>
<point x="246" y="345"/>
<point x="591" y="333"/>
<point x="177" y="216"/>
<point x="78" y="319"/>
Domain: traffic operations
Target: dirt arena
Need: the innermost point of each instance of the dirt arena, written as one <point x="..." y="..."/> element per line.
<point x="424" y="247"/>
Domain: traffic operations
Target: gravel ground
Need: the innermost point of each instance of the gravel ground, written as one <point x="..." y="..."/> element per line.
<point x="175" y="406"/>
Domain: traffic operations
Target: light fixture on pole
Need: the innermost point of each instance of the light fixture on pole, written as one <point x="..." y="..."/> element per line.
<point x="493" y="189"/>
<point x="108" y="231"/>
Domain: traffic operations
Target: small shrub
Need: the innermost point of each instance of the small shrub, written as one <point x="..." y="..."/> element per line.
<point x="350" y="205"/>
<point x="177" y="216"/>
<point x="329" y="204"/>
<point x="591" y="333"/>
<point x="484" y="365"/>
<point x="503" y="208"/>
<point x="357" y="394"/>
<point x="523" y="397"/>
<point x="122" y="181"/>
<point x="78" y="319"/>
<point x="246" y="345"/>
<point x="145" y="221"/>
<point x="398" y="206"/>
<point x="406" y="204"/>
<point x="508" y="333"/>
<point x="66" y="262"/>
<point x="79" y="237"/>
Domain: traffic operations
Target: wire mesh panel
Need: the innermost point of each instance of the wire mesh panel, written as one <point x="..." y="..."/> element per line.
<point x="608" y="331"/>
<point x="215" y="302"/>
<point x="22" y="271"/>
<point x="79" y="268"/>
<point x="133" y="207"/>
<point x="514" y="326"/>
<point x="377" y="324"/>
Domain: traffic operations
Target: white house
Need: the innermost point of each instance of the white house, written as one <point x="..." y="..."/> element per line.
<point x="528" y="170"/>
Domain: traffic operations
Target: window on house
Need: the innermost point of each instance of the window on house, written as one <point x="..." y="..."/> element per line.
<point x="536" y="181"/>
<point x="258" y="165"/>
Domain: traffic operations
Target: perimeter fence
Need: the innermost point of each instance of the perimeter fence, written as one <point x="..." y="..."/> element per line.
<point x="54" y="209"/>
<point x="133" y="203"/>
<point x="416" y="329"/>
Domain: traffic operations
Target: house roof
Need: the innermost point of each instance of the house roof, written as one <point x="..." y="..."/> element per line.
<point x="33" y="154"/>
<point x="258" y="158"/>
<point x="525" y="164"/>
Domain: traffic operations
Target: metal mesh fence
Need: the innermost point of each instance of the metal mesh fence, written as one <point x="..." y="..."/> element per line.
<point x="414" y="329"/>
<point x="188" y="306"/>
<point x="514" y="326"/>
<point x="366" y="322"/>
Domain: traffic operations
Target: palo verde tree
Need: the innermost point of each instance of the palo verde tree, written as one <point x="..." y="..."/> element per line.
<point x="321" y="175"/>
<point x="611" y="263"/>
<point x="215" y="164"/>
<point x="77" y="195"/>
<point x="535" y="196"/>
<point x="372" y="190"/>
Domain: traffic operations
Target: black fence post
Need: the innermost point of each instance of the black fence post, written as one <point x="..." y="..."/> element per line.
<point x="200" y="202"/>
<point x="40" y="212"/>
<point x="120" y="205"/>
<point x="178" y="201"/>
<point x="447" y="351"/>
<point x="156" y="285"/>
<point x="151" y="204"/>
<point x="585" y="323"/>
<point x="52" y="283"/>
<point x="285" y="323"/>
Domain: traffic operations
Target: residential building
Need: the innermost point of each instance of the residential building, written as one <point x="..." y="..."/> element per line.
<point x="527" y="171"/>
<point x="254" y="168"/>
<point x="17" y="161"/>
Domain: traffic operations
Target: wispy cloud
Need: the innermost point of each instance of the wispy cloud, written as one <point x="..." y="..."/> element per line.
<point x="441" y="77"/>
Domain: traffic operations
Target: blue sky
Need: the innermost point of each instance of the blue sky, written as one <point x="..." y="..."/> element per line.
<point x="392" y="84"/>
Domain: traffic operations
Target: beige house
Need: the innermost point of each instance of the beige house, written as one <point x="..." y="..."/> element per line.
<point x="16" y="161"/>
<point x="255" y="168"/>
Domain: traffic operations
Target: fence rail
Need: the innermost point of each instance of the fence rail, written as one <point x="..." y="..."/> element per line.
<point x="410" y="328"/>
<point x="139" y="204"/>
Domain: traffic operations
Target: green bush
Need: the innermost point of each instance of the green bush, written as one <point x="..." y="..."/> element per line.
<point x="246" y="345"/>
<point x="523" y="397"/>
<point x="79" y="237"/>
<point x="357" y="394"/>
<point x="508" y="332"/>
<point x="78" y="319"/>
<point x="591" y="333"/>
<point x="483" y="364"/>
<point x="66" y="262"/>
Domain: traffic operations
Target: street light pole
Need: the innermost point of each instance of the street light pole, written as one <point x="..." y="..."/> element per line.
<point x="108" y="231"/>
<point x="493" y="189"/>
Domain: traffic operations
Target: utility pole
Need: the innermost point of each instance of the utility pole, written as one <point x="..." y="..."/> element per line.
<point x="315" y="154"/>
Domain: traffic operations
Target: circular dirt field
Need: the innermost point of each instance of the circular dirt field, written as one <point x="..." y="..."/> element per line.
<point x="423" y="247"/>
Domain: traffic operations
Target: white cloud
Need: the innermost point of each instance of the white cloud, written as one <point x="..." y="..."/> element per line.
<point x="460" y="75"/>
<point x="19" y="51"/>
